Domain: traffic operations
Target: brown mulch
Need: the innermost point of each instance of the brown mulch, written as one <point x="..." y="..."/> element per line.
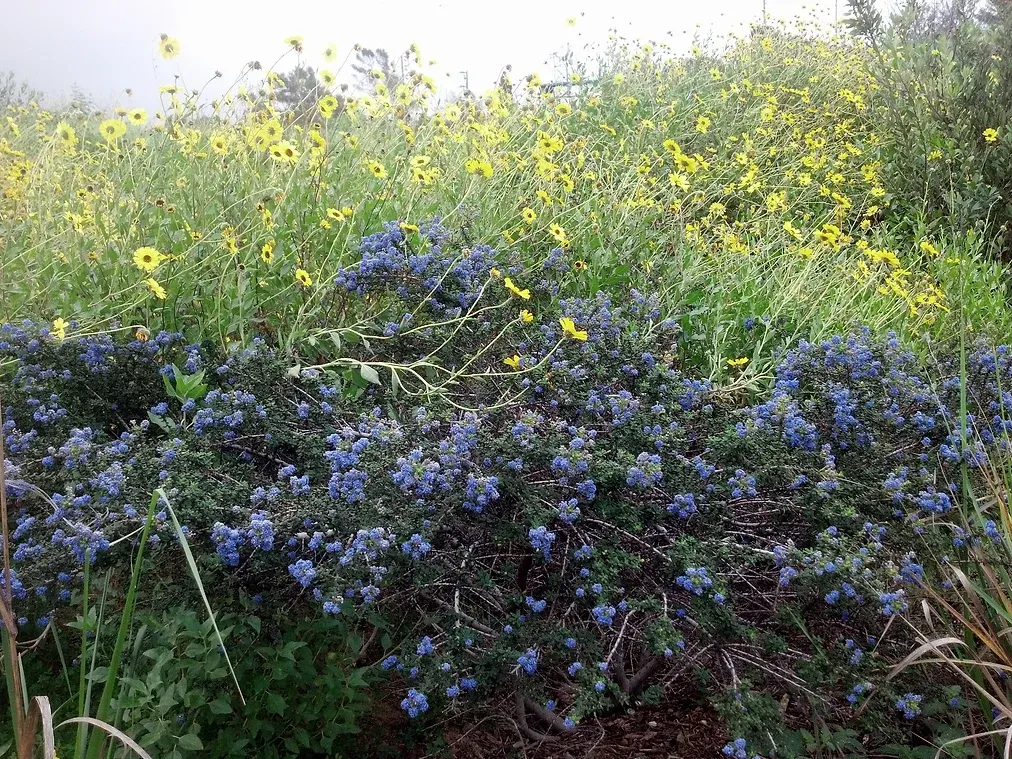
<point x="668" y="731"/>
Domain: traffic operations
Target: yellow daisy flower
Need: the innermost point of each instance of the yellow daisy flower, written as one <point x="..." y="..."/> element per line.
<point x="569" y="328"/>
<point x="376" y="169"/>
<point x="168" y="46"/>
<point x="525" y="293"/>
<point x="156" y="289"/>
<point x="112" y="130"/>
<point x="147" y="259"/>
<point x="60" y="327"/>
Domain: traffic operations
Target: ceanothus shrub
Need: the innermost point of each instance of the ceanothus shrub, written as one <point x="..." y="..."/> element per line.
<point x="528" y="493"/>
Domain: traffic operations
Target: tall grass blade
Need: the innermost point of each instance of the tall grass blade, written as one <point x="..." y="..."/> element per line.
<point x="82" y="705"/>
<point x="104" y="704"/>
<point x="63" y="659"/>
<point x="200" y="586"/>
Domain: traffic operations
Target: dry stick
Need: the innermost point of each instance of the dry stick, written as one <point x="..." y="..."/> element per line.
<point x="549" y="718"/>
<point x="7" y="605"/>
<point x="638" y="680"/>
<point x="527" y="731"/>
<point x="465" y="617"/>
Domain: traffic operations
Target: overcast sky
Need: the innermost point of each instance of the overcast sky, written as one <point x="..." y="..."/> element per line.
<point x="107" y="46"/>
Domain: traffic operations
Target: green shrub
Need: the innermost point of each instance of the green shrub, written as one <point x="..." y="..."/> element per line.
<point x="573" y="530"/>
<point x="943" y="95"/>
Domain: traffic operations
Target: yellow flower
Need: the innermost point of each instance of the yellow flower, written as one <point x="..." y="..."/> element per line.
<point x="303" y="278"/>
<point x="294" y="41"/>
<point x="328" y="105"/>
<point x="267" y="251"/>
<point x="478" y="166"/>
<point x="284" y="152"/>
<point x="512" y="361"/>
<point x="376" y="169"/>
<point x="147" y="259"/>
<point x="736" y="363"/>
<point x="525" y="293"/>
<point x="219" y="145"/>
<point x="526" y="316"/>
<point x="579" y="265"/>
<point x="143" y="334"/>
<point x="569" y="328"/>
<point x="571" y="21"/>
<point x="168" y="46"/>
<point x="927" y="247"/>
<point x="679" y="181"/>
<point x="328" y="78"/>
<point x="529" y="215"/>
<point x="267" y="135"/>
<point x="419" y="161"/>
<point x="558" y="233"/>
<point x="60" y="327"/>
<point x="563" y="109"/>
<point x="138" y="116"/>
<point x="828" y="235"/>
<point x="66" y="135"/>
<point x="112" y="130"/>
<point x="330" y="53"/>
<point x="156" y="289"/>
<point x="544" y="197"/>
<point x="703" y="124"/>
<point x="991" y="135"/>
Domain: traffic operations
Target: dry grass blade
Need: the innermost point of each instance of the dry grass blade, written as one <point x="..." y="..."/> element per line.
<point x="917" y="653"/>
<point x="116" y="733"/>
<point x="38" y="711"/>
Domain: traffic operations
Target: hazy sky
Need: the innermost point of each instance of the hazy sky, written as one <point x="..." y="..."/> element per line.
<point x="106" y="46"/>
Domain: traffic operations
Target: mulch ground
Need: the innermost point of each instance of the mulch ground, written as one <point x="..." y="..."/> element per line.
<point x="669" y="731"/>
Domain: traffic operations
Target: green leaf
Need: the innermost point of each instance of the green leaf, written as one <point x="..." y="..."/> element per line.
<point x="163" y="422"/>
<point x="220" y="705"/>
<point x="190" y="742"/>
<point x="169" y="389"/>
<point x="275" y="703"/>
<point x="395" y="382"/>
<point x="369" y="374"/>
<point x="99" y="674"/>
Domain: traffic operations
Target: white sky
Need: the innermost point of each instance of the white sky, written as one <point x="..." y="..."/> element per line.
<point x="106" y="46"/>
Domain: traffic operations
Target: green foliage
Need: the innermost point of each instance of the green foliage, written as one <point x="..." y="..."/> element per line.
<point x="303" y="690"/>
<point x="942" y="100"/>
